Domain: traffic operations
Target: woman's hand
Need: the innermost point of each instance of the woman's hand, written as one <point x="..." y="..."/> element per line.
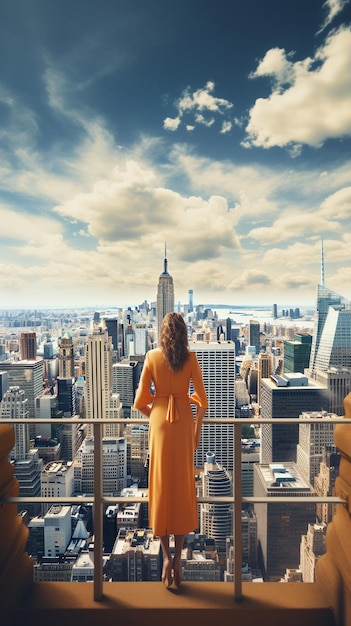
<point x="200" y="412"/>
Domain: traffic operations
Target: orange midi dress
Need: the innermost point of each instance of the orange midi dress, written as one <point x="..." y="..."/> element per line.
<point x="172" y="495"/>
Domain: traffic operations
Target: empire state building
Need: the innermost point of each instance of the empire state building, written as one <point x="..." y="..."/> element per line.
<point x="165" y="296"/>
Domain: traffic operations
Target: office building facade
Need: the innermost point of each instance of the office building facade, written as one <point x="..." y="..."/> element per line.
<point x="4" y="383"/>
<point x="27" y="375"/>
<point x="337" y="381"/>
<point x="216" y="520"/>
<point x="280" y="526"/>
<point x="136" y="556"/>
<point x="114" y="466"/>
<point x="254" y="335"/>
<point x="313" y="440"/>
<point x="217" y="362"/>
<point x="28" y="346"/>
<point x="124" y="382"/>
<point x="311" y="549"/>
<point x="283" y="397"/>
<point x="14" y="405"/>
<point x="297" y="353"/>
<point x="66" y="357"/>
<point x="98" y="370"/>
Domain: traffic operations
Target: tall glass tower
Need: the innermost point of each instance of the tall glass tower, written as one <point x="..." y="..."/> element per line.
<point x="191" y="300"/>
<point x="331" y="341"/>
<point x="165" y="295"/>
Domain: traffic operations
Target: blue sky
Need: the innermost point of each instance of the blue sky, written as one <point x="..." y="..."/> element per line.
<point x="222" y="129"/>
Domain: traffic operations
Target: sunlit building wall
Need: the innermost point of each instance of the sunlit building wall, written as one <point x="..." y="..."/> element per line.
<point x="98" y="366"/>
<point x="217" y="362"/>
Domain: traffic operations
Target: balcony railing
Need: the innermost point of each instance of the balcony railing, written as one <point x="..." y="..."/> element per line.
<point x="237" y="500"/>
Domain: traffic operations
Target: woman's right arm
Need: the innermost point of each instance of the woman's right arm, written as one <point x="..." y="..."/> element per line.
<point x="200" y="398"/>
<point x="200" y="412"/>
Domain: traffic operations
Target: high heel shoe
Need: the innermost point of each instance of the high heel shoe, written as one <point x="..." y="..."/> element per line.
<point x="177" y="573"/>
<point x="167" y="577"/>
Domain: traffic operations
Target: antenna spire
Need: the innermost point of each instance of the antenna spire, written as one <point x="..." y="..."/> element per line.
<point x="322" y="264"/>
<point x="165" y="260"/>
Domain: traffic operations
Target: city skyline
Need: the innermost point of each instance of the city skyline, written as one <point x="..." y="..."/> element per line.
<point x="224" y="133"/>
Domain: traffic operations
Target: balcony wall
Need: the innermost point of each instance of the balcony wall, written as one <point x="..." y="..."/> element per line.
<point x="16" y="571"/>
<point x="334" y="568"/>
<point x="324" y="603"/>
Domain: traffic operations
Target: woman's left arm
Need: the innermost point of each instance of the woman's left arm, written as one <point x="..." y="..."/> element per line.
<point x="143" y="398"/>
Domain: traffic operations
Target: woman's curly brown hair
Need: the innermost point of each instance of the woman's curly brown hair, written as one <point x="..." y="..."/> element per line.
<point x="174" y="340"/>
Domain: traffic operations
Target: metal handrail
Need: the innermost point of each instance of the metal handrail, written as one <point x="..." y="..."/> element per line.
<point x="99" y="500"/>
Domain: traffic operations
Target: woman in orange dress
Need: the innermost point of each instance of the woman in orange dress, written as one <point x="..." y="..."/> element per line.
<point x="173" y="437"/>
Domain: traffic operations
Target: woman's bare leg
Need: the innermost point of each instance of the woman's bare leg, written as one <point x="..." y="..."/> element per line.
<point x="167" y="578"/>
<point x="177" y="566"/>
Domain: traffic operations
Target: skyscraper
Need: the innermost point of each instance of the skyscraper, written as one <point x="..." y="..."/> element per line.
<point x="311" y="549"/>
<point x="165" y="296"/>
<point x="98" y="364"/>
<point x="331" y="342"/>
<point x="337" y="381"/>
<point x="114" y="466"/>
<point x="217" y="362"/>
<point x="283" y="397"/>
<point x="264" y="370"/>
<point x="26" y="461"/>
<point x="28" y="341"/>
<point x="66" y="357"/>
<point x="313" y="440"/>
<point x="280" y="526"/>
<point x="124" y="382"/>
<point x="191" y="302"/>
<point x="216" y="519"/>
<point x="330" y="360"/>
<point x="4" y="383"/>
<point x="14" y="406"/>
<point x="28" y="375"/>
<point x="57" y="530"/>
<point x="297" y="352"/>
<point x="254" y="335"/>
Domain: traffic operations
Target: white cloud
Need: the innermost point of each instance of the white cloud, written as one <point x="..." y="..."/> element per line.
<point x="106" y="212"/>
<point x="201" y="119"/>
<point x="250" y="278"/>
<point x="23" y="227"/>
<point x="249" y="187"/>
<point x="226" y="127"/>
<point x="171" y="123"/>
<point x="291" y="225"/>
<point x="203" y="100"/>
<point x="311" y="100"/>
<point x="201" y="105"/>
<point x="275" y="63"/>
<point x="333" y="8"/>
<point x="337" y="205"/>
<point x="132" y="205"/>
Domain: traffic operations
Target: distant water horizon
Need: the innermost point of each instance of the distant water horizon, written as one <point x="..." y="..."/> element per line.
<point x="263" y="314"/>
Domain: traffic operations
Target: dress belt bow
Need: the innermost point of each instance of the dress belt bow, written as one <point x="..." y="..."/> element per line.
<point x="172" y="413"/>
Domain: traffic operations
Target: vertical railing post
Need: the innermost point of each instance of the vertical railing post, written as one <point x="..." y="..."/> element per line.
<point x="237" y="520"/>
<point x="98" y="512"/>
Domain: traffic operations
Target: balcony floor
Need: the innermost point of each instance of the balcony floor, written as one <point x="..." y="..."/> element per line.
<point x="266" y="604"/>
